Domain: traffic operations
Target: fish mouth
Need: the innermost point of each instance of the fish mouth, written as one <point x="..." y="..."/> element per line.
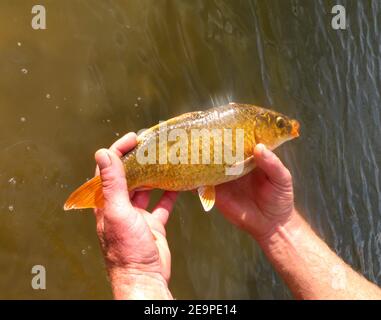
<point x="295" y="128"/>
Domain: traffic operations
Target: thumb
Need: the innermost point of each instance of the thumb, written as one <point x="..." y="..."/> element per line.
<point x="272" y="166"/>
<point x="114" y="184"/>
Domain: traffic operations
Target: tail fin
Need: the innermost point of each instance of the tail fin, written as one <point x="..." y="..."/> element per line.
<point x="89" y="195"/>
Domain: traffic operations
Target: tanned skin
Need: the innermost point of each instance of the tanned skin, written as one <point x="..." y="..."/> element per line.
<point x="136" y="251"/>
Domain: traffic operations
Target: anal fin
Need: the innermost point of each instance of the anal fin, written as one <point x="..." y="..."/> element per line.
<point x="207" y="196"/>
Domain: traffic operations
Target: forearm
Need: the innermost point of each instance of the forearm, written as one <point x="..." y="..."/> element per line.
<point x="310" y="268"/>
<point x="138" y="286"/>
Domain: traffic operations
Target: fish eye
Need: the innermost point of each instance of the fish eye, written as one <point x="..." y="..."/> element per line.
<point x="280" y="123"/>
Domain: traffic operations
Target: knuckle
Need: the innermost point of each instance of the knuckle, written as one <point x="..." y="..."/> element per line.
<point x="111" y="182"/>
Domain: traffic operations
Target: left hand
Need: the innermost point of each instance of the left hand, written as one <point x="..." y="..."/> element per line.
<point x="261" y="201"/>
<point x="133" y="240"/>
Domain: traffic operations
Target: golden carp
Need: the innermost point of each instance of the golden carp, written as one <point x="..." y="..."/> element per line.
<point x="196" y="150"/>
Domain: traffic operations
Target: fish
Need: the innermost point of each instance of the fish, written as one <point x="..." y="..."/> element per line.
<point x="195" y="151"/>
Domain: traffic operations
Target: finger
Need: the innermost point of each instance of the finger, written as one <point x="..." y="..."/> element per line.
<point x="141" y="199"/>
<point x="271" y="165"/>
<point x="164" y="206"/>
<point x="124" y="144"/>
<point x="114" y="184"/>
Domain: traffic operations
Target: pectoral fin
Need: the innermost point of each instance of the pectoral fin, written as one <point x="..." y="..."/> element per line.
<point x="238" y="167"/>
<point x="207" y="196"/>
<point x="248" y="161"/>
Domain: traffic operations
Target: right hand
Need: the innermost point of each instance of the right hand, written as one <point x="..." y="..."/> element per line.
<point x="262" y="200"/>
<point x="133" y="240"/>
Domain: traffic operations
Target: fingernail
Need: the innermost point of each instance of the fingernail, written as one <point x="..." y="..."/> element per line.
<point x="263" y="150"/>
<point x="265" y="153"/>
<point x="103" y="159"/>
<point x="260" y="147"/>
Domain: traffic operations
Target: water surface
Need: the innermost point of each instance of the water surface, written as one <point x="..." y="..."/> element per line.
<point x="103" y="68"/>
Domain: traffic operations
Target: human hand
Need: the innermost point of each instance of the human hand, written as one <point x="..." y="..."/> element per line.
<point x="262" y="200"/>
<point x="133" y="240"/>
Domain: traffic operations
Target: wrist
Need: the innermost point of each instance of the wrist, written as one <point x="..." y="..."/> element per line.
<point x="138" y="285"/>
<point x="282" y="233"/>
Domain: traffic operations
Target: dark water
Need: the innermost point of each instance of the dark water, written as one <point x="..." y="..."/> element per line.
<point x="103" y="68"/>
